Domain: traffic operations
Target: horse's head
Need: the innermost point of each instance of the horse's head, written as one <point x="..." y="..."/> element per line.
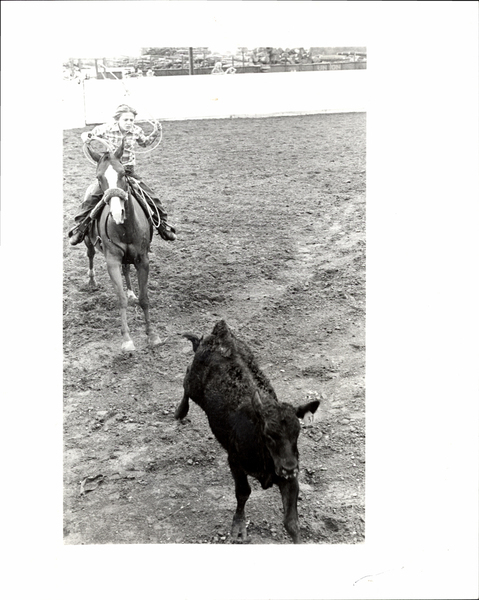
<point x="112" y="180"/>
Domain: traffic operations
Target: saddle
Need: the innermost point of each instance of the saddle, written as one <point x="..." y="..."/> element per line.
<point x="139" y="194"/>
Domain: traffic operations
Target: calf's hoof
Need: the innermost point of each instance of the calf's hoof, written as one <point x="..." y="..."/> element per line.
<point x="241" y="541"/>
<point x="238" y="532"/>
<point x="294" y="533"/>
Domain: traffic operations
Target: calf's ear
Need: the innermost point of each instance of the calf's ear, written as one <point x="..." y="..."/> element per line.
<point x="311" y="407"/>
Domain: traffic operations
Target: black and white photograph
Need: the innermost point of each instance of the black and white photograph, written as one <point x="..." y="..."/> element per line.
<point x="251" y="238"/>
<point x="243" y="209"/>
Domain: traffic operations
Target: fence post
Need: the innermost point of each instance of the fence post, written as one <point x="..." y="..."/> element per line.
<point x="190" y="52"/>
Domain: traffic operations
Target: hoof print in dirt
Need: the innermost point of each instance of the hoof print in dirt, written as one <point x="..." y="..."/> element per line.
<point x="155" y="342"/>
<point x="258" y="432"/>
<point x="88" y="484"/>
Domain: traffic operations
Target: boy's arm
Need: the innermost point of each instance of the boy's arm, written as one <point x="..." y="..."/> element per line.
<point x="97" y="131"/>
<point x="146" y="140"/>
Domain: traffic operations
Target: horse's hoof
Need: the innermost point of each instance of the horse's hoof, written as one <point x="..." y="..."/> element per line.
<point x="128" y="346"/>
<point x="154" y="340"/>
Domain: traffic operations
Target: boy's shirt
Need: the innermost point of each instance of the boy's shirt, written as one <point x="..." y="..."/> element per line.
<point x="111" y="133"/>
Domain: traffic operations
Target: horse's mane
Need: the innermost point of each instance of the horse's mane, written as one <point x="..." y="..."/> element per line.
<point x="109" y="156"/>
<point x="106" y="155"/>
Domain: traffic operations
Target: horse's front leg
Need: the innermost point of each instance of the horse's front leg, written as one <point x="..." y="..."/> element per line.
<point x="126" y="272"/>
<point x="143" y="268"/>
<point x="114" y="271"/>
<point x="90" y="250"/>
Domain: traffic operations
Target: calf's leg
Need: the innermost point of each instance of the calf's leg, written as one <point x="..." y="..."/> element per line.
<point x="289" y="493"/>
<point x="243" y="491"/>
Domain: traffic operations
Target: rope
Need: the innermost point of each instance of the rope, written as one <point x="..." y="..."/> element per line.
<point x="109" y="147"/>
<point x="154" y="123"/>
<point x="158" y="140"/>
<point x="135" y="187"/>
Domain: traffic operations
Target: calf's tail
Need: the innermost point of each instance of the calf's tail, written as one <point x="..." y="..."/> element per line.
<point x="193" y="339"/>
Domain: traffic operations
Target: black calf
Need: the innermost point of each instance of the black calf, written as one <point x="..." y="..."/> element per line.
<point x="259" y="433"/>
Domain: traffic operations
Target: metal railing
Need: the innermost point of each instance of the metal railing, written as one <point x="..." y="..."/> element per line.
<point x="324" y="66"/>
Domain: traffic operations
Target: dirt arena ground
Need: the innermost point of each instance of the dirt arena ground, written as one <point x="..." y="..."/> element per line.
<point x="270" y="215"/>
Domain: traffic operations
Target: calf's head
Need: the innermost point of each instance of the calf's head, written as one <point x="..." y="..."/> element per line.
<point x="280" y="429"/>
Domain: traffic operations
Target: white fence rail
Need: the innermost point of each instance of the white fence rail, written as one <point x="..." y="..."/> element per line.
<point x="220" y="96"/>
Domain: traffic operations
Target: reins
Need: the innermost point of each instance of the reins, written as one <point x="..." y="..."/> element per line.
<point x="141" y="199"/>
<point x="107" y="235"/>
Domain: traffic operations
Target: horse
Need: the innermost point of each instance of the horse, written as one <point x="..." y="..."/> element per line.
<point x="124" y="233"/>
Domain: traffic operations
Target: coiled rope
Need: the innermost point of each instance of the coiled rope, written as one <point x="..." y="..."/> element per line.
<point x="107" y="147"/>
<point x="153" y="122"/>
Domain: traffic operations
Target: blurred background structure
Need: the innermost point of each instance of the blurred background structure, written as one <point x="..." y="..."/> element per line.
<point x="157" y="62"/>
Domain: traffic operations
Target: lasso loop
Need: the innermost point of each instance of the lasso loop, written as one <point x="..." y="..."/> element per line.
<point x="108" y="147"/>
<point x="153" y="122"/>
<point x="157" y="142"/>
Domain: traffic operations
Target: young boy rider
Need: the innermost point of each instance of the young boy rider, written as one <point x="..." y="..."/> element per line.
<point x="123" y="126"/>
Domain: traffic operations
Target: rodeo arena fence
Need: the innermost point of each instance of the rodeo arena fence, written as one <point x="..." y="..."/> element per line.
<point x="279" y="90"/>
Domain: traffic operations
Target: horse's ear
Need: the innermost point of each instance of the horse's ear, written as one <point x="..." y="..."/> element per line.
<point x="119" y="151"/>
<point x="95" y="155"/>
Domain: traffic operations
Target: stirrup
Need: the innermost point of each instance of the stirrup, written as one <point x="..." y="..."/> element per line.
<point x="77" y="237"/>
<point x="74" y="230"/>
<point x="167" y="232"/>
<point x="80" y="228"/>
